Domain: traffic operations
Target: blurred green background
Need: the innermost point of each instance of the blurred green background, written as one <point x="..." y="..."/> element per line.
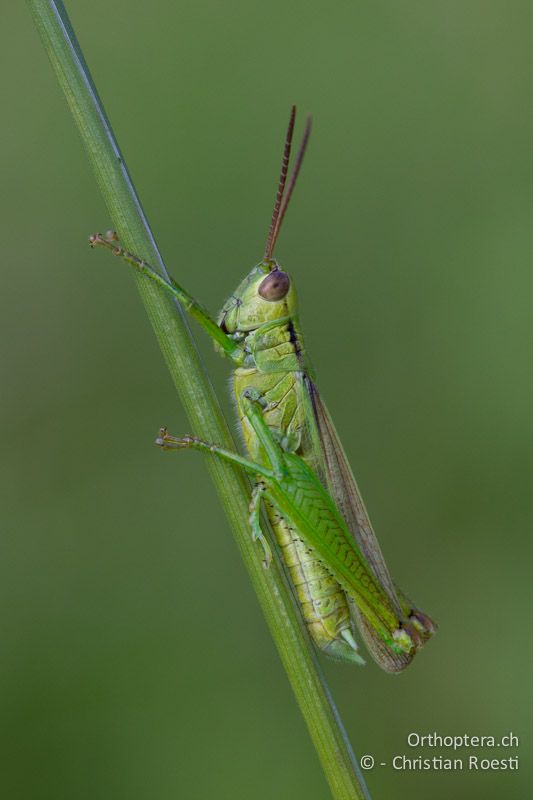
<point x="135" y="662"/>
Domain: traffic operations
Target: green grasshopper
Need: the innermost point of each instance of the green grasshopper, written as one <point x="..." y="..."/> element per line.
<point x="294" y="456"/>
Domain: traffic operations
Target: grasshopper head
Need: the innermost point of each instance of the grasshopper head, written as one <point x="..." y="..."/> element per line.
<point x="265" y="295"/>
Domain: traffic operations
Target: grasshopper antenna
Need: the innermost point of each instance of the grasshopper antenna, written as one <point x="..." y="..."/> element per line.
<point x="282" y="197"/>
<point x="281" y="184"/>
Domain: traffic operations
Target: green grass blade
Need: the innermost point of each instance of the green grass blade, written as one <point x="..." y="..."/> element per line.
<point x="198" y="398"/>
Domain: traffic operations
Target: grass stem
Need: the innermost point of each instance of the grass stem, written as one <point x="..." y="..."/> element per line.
<point x="198" y="398"/>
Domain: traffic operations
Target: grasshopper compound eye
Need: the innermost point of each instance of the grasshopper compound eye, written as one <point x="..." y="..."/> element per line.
<point x="275" y="286"/>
